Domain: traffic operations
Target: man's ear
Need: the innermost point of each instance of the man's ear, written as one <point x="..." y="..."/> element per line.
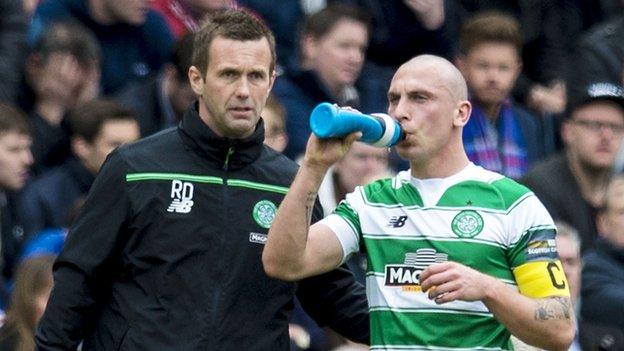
<point x="464" y="109"/>
<point x="196" y="80"/>
<point x="271" y="82"/>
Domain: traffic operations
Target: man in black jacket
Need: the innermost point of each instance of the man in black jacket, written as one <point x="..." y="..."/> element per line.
<point x="166" y="253"/>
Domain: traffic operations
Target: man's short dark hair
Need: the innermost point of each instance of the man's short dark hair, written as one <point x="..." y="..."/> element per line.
<point x="12" y="119"/>
<point x="234" y="24"/>
<point x="490" y="27"/>
<point x="86" y="121"/>
<point x="324" y="21"/>
<point x="70" y="37"/>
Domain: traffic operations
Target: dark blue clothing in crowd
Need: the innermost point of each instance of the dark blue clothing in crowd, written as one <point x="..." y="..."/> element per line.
<point x="602" y="286"/>
<point x="47" y="201"/>
<point x="152" y="108"/>
<point x="397" y="34"/>
<point x="128" y="52"/>
<point x="301" y="91"/>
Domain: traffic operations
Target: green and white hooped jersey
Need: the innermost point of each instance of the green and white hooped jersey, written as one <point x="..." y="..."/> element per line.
<point x="476" y="217"/>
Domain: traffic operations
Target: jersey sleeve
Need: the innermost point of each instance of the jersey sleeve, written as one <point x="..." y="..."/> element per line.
<point x="532" y="251"/>
<point x="345" y="223"/>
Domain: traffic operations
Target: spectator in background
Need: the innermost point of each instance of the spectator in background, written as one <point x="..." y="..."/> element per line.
<point x="15" y="161"/>
<point x="549" y="31"/>
<point x="284" y="18"/>
<point x="160" y="101"/>
<point x="12" y="48"/>
<point x="572" y="183"/>
<point x="602" y="290"/>
<point x="31" y="289"/>
<point x="135" y="40"/>
<point x="62" y="71"/>
<point x="333" y="44"/>
<point x="599" y="56"/>
<point x="402" y="29"/>
<point x="97" y="128"/>
<point x="274" y="118"/>
<point x="569" y="249"/>
<point x="500" y="136"/>
<point x="184" y="16"/>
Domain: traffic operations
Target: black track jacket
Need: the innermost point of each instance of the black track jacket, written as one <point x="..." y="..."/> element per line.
<point x="166" y="254"/>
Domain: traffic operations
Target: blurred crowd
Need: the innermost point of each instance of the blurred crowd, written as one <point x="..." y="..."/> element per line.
<point x="80" y="77"/>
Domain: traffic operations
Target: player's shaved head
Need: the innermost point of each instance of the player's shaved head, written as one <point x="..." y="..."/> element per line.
<point x="452" y="78"/>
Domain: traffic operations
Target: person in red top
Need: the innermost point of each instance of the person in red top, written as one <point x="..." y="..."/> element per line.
<point x="183" y="16"/>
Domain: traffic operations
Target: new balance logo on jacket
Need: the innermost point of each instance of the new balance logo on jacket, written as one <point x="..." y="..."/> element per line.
<point x="182" y="195"/>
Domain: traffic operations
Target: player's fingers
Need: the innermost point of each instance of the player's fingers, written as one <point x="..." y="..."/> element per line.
<point x="437" y="291"/>
<point x="430" y="281"/>
<point x="434" y="269"/>
<point x="447" y="297"/>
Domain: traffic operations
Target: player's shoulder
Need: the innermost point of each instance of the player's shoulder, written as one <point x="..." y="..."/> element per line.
<point x="392" y="191"/>
<point x="485" y="189"/>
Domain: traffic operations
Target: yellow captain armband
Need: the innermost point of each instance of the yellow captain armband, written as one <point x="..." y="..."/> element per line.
<point x="541" y="279"/>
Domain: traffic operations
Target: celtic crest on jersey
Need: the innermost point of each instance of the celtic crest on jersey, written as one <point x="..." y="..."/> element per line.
<point x="467" y="224"/>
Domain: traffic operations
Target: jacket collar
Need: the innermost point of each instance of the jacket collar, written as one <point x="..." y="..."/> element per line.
<point x="224" y="153"/>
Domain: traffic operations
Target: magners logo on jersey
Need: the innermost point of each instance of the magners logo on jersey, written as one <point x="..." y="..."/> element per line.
<point x="407" y="275"/>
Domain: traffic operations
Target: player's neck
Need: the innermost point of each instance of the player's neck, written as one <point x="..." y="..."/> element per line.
<point x="440" y="167"/>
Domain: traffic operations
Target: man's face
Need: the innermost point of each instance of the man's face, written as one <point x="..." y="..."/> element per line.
<point x="490" y="70"/>
<point x="570" y="256"/>
<point x="420" y="99"/>
<point x="113" y="134"/>
<point x="361" y="165"/>
<point x="15" y="160"/>
<point x="338" y="56"/>
<point x="235" y="87"/>
<point x="611" y="221"/>
<point x="132" y="12"/>
<point x="594" y="133"/>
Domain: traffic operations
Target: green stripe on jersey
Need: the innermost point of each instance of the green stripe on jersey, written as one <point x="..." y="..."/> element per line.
<point x="136" y="177"/>
<point x="436" y="329"/>
<point x="484" y="257"/>
<point x="382" y="192"/>
<point x="500" y="195"/>
<point x="510" y="190"/>
<point x="347" y="213"/>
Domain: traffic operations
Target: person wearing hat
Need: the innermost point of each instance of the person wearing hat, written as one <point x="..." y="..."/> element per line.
<point x="572" y="184"/>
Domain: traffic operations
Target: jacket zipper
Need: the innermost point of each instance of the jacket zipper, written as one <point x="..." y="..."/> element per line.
<point x="217" y="291"/>
<point x="226" y="163"/>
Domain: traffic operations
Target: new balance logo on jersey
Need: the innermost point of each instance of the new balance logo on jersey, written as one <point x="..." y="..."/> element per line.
<point x="397" y="221"/>
<point x="182" y="195"/>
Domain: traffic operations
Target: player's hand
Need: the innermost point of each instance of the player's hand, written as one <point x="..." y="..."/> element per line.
<point x="322" y="153"/>
<point x="450" y="281"/>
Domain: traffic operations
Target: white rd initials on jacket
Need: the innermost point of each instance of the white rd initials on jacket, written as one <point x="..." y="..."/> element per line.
<point x="182" y="197"/>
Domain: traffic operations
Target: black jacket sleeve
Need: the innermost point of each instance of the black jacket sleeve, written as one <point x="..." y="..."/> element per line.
<point x="336" y="300"/>
<point x="83" y="270"/>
